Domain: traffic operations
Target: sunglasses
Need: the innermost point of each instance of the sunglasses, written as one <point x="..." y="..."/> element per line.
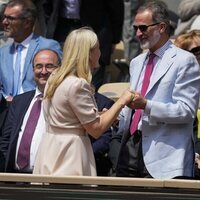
<point x="143" y="28"/>
<point x="195" y="50"/>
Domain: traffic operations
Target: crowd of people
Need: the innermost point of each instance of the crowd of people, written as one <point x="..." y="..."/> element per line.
<point x="53" y="121"/>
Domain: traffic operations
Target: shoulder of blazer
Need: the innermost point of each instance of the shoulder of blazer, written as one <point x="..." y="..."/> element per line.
<point x="27" y="96"/>
<point x="140" y="57"/>
<point x="7" y="49"/>
<point x="138" y="61"/>
<point x="34" y="40"/>
<point x="35" y="37"/>
<point x="40" y="39"/>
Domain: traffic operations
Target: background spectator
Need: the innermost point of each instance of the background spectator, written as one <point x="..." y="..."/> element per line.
<point x="3" y="39"/>
<point x="191" y="42"/>
<point x="188" y="12"/>
<point x="16" y="74"/>
<point x="44" y="62"/>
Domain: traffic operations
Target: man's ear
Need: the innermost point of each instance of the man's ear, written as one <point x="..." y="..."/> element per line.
<point x="28" y="23"/>
<point x="162" y="27"/>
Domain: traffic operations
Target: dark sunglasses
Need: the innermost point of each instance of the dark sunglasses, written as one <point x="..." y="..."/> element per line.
<point x="143" y="28"/>
<point x="195" y="50"/>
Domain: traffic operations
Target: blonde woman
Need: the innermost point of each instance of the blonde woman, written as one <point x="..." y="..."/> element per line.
<point x="70" y="110"/>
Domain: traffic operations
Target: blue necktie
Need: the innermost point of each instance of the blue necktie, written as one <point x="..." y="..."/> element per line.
<point x="16" y="79"/>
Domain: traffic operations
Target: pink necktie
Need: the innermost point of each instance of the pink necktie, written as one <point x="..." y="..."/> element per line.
<point x="23" y="157"/>
<point x="145" y="84"/>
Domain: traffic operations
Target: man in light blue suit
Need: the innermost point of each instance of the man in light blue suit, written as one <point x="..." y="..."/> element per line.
<point x="162" y="144"/>
<point x="18" y="21"/>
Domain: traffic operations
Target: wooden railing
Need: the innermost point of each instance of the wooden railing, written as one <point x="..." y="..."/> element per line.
<point x="144" y="182"/>
<point x="38" y="187"/>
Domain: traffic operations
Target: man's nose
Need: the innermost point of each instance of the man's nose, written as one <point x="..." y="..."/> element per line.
<point x="5" y="21"/>
<point x="44" y="70"/>
<point x="138" y="32"/>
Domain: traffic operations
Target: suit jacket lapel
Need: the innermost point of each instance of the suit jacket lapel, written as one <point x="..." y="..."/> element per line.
<point x="31" y="49"/>
<point x="137" y="71"/>
<point x="163" y="67"/>
<point x="21" y="113"/>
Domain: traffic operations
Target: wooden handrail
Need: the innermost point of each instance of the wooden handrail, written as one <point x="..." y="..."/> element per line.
<point x="88" y="180"/>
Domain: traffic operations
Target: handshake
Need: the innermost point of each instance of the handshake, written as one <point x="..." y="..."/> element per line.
<point x="133" y="99"/>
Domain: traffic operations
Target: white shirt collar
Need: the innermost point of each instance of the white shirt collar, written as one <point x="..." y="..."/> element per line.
<point x="37" y="92"/>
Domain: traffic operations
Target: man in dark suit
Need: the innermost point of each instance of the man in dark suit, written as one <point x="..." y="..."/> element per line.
<point x="16" y="74"/>
<point x="44" y="62"/>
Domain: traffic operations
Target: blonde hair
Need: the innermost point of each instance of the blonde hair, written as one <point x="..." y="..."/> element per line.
<point x="185" y="40"/>
<point x="76" y="53"/>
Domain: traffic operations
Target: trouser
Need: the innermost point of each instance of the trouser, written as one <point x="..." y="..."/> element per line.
<point x="130" y="161"/>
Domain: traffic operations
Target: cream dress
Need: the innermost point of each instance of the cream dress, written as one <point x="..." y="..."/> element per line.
<point x="65" y="148"/>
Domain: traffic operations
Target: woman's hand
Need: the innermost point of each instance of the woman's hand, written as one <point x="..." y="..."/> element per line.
<point x="127" y="97"/>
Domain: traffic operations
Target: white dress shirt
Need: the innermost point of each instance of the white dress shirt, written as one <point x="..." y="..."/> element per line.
<point x="39" y="130"/>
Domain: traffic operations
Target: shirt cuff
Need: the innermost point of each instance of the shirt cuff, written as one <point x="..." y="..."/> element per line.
<point x="147" y="109"/>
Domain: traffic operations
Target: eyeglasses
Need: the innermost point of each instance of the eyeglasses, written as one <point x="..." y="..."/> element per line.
<point x="195" y="50"/>
<point x="10" y="18"/>
<point x="49" y="67"/>
<point x="143" y="28"/>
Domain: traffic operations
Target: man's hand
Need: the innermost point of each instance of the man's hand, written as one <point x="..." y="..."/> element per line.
<point x="138" y="102"/>
<point x="9" y="99"/>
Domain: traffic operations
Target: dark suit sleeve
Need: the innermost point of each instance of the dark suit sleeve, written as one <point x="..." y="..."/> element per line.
<point x="3" y="113"/>
<point x="12" y="127"/>
<point x="6" y="133"/>
<point x="11" y="123"/>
